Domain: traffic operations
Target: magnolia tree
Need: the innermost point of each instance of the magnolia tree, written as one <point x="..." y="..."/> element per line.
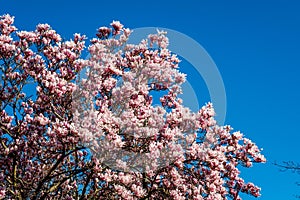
<point x="111" y="126"/>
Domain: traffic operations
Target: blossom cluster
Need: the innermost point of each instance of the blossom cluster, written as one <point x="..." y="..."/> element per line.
<point x="101" y="136"/>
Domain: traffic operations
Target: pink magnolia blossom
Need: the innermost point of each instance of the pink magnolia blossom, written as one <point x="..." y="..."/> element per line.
<point x="102" y="137"/>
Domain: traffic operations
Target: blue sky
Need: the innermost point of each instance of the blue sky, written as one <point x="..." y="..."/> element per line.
<point x="255" y="45"/>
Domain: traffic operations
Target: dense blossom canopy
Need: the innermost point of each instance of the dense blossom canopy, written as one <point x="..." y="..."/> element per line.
<point x="104" y="136"/>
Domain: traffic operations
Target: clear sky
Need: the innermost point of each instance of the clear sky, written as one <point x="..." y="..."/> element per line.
<point x="255" y="45"/>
